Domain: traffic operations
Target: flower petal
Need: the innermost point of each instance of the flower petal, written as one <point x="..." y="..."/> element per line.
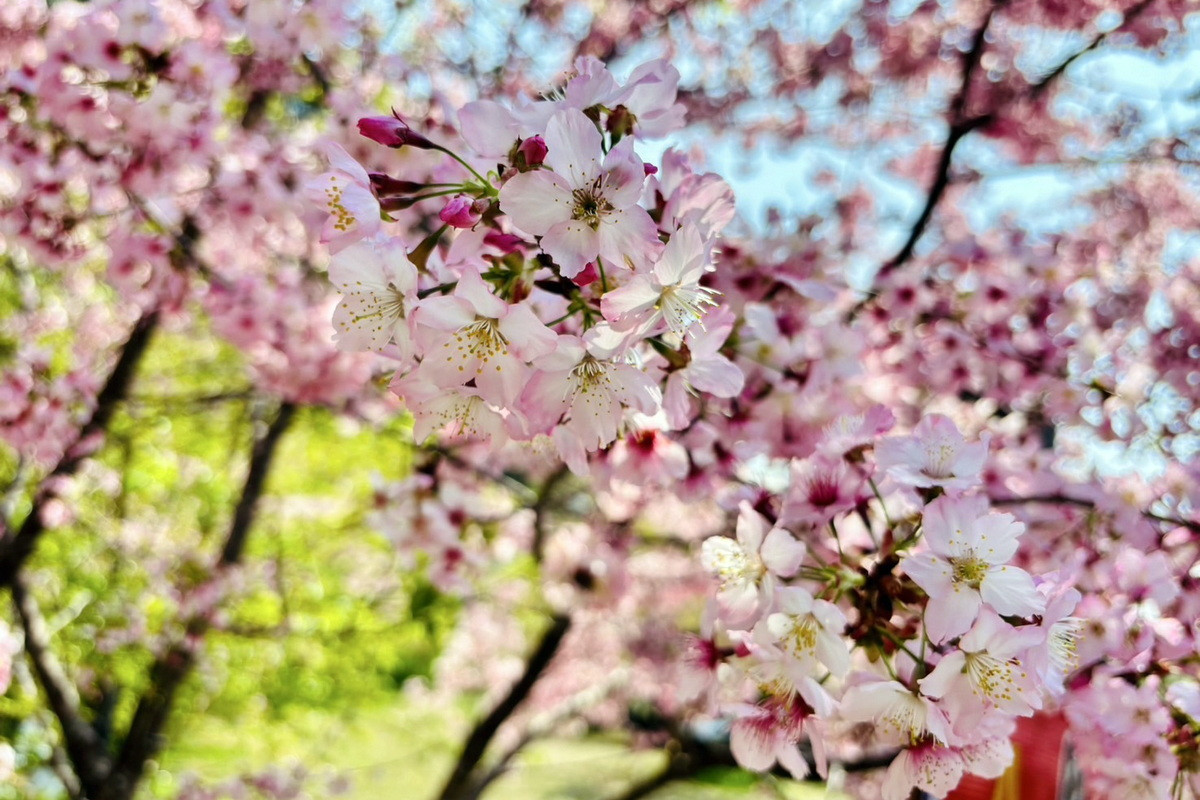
<point x="1011" y="592"/>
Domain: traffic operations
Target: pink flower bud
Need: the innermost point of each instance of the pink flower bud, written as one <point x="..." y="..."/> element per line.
<point x="534" y="150"/>
<point x="460" y="212"/>
<point x="386" y="185"/>
<point x="587" y="275"/>
<point x="506" y="242"/>
<point x="392" y="132"/>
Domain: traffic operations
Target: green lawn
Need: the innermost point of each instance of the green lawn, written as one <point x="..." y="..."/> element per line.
<point x="403" y="754"/>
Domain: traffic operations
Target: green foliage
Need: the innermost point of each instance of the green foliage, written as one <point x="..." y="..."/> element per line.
<point x="318" y="617"/>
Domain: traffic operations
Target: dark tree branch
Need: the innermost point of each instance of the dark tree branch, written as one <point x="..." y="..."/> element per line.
<point x="82" y="743"/>
<point x="60" y="762"/>
<point x="16" y="547"/>
<point x="680" y="766"/>
<point x="143" y="740"/>
<point x="543" y="724"/>
<point x="1039" y="88"/>
<point x="460" y="784"/>
<point x="541" y="509"/>
<point x="261" y="457"/>
<point x="962" y="124"/>
<point x="1079" y="502"/>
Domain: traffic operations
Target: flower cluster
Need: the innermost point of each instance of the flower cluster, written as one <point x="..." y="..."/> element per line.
<point x="572" y="303"/>
<point x="916" y="631"/>
<point x="1138" y="741"/>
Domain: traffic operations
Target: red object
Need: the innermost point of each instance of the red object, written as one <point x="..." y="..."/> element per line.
<point x="1037" y="766"/>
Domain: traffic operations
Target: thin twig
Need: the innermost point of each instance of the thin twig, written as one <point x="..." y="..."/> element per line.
<point x="1067" y="500"/>
<point x="962" y="124"/>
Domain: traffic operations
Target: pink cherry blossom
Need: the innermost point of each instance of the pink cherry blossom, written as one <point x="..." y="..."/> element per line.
<point x="747" y="567"/>
<point x="768" y="734"/>
<point x="345" y="192"/>
<point x="899" y="714"/>
<point x="582" y="207"/>
<point x="649" y="96"/>
<point x="460" y="212"/>
<point x="936" y="454"/>
<point x="380" y="285"/>
<point x="473" y="335"/>
<point x="986" y="670"/>
<point x="707" y="369"/>
<point x="821" y="488"/>
<point x="587" y="389"/>
<point x="966" y="565"/>
<point x="810" y="631"/>
<point x="928" y="766"/>
<point x="671" y="293"/>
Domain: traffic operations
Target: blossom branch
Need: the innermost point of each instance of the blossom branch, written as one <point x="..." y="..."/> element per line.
<point x="83" y="745"/>
<point x="143" y="739"/>
<point x="961" y="124"/>
<point x="1062" y="499"/>
<point x="16" y="547"/>
<point x="1053" y="75"/>
<point x="462" y="783"/>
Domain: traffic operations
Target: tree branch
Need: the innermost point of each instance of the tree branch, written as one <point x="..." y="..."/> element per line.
<point x="143" y="740"/>
<point x="261" y="457"/>
<point x="1039" y="88"/>
<point x="543" y="724"/>
<point x="16" y="547"/>
<point x="460" y="784"/>
<point x="680" y="764"/>
<point x="541" y="509"/>
<point x="82" y="743"/>
<point x="960" y="126"/>
<point x="1067" y="500"/>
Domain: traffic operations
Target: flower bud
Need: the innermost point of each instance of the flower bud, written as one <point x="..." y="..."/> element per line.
<point x="386" y="185"/>
<point x="392" y="132"/>
<point x="506" y="242"/>
<point x="534" y="150"/>
<point x="587" y="275"/>
<point x="460" y="212"/>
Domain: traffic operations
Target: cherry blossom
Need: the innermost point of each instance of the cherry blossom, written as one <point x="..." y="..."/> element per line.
<point x="583" y="208"/>
<point x="767" y="734"/>
<point x="474" y="336"/>
<point x="379" y="284"/>
<point x="346" y="192"/>
<point x="967" y="566"/>
<point x="671" y="294"/>
<point x="929" y="767"/>
<point x="986" y="666"/>
<point x="747" y="565"/>
<point x="587" y="389"/>
<point x="936" y="454"/>
<point x="809" y="630"/>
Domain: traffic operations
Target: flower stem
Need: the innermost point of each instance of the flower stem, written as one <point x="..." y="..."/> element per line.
<point x="484" y="182"/>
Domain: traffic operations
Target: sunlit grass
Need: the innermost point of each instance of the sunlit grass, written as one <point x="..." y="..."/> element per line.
<point x="402" y="753"/>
